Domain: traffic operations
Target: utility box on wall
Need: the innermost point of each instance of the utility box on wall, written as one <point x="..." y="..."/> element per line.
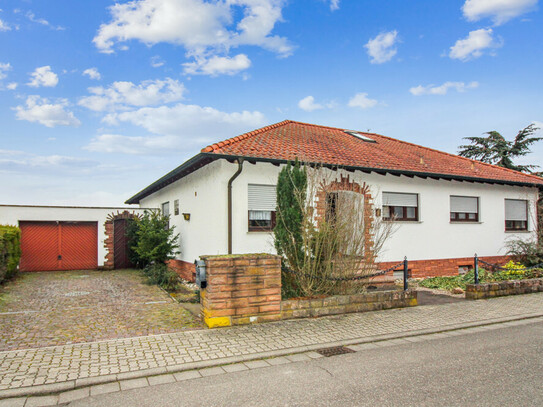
<point x="241" y="289"/>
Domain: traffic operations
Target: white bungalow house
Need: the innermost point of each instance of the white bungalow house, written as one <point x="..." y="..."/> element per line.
<point x="223" y="199"/>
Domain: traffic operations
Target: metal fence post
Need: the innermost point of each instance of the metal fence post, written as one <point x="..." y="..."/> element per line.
<point x="405" y="265"/>
<point x="476" y="268"/>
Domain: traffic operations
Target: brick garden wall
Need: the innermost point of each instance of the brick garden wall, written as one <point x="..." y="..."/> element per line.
<point x="442" y="267"/>
<point x="515" y="287"/>
<point x="245" y="289"/>
<point x="343" y="304"/>
<point x="184" y="269"/>
<point x="241" y="289"/>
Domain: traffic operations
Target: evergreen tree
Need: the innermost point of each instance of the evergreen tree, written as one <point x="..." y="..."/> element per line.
<point x="495" y="149"/>
<point x="155" y="240"/>
<point x="291" y="199"/>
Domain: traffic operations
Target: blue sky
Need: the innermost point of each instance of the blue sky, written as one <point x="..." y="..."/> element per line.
<point x="98" y="99"/>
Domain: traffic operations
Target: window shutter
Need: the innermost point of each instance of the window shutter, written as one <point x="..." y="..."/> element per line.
<point x="516" y="209"/>
<point x="464" y="204"/>
<point x="397" y="199"/>
<point x="262" y="197"/>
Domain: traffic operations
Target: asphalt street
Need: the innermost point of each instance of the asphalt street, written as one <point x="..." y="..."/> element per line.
<point x="482" y="367"/>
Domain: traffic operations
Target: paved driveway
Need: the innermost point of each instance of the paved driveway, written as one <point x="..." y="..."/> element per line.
<point x="57" y="308"/>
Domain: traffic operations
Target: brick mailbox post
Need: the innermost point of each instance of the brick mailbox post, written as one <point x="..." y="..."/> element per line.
<point x="241" y="289"/>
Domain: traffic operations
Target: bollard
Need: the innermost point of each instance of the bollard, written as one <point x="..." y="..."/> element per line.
<point x="476" y="269"/>
<point x="405" y="284"/>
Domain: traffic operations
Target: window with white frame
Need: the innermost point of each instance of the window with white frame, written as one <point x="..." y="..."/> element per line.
<point x="261" y="204"/>
<point x="464" y="209"/>
<point x="516" y="214"/>
<point x="166" y="208"/>
<point x="176" y="207"/>
<point x="400" y="206"/>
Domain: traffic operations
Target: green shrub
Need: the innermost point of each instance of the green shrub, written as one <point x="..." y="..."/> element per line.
<point x="153" y="240"/>
<point x="160" y="274"/>
<point x="529" y="253"/>
<point x="10" y="251"/>
<point x="288" y="236"/>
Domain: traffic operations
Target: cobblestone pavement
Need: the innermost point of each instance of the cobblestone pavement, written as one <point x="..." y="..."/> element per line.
<point x="120" y="358"/>
<point x="57" y="308"/>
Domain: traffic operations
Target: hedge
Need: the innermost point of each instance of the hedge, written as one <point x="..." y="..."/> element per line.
<point x="10" y="251"/>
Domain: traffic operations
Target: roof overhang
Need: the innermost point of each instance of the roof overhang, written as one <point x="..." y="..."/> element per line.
<point x="202" y="159"/>
<point x="189" y="166"/>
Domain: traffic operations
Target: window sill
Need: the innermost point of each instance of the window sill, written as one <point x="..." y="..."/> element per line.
<point x="458" y="222"/>
<point x="259" y="231"/>
<point x="403" y="221"/>
<point x="519" y="231"/>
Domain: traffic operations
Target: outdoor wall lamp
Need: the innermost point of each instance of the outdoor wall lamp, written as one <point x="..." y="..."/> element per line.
<point x="378" y="212"/>
<point x="186" y="216"/>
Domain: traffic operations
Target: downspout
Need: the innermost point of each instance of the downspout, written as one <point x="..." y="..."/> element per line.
<point x="230" y="181"/>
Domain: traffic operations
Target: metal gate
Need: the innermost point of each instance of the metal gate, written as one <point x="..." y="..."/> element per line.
<point x="49" y="246"/>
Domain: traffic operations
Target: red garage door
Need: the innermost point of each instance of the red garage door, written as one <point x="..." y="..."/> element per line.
<point x="59" y="246"/>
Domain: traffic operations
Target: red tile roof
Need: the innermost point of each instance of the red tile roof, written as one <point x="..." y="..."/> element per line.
<point x="288" y="140"/>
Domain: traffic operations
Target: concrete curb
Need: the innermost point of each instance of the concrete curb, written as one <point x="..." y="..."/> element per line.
<point x="55" y="388"/>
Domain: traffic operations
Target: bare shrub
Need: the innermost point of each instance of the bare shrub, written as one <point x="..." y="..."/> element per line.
<point x="340" y="236"/>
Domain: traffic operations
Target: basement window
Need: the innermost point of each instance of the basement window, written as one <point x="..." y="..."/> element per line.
<point x="516" y="215"/>
<point x="360" y="136"/>
<point x="261" y="205"/>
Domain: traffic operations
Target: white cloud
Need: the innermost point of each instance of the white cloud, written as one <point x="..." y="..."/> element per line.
<point x="362" y="101"/>
<point x="474" y="44"/>
<point x="334" y="5"/>
<point x="500" y="11"/>
<point x="115" y="143"/>
<point x="40" y="110"/>
<point x="217" y="65"/>
<point x="4" y="26"/>
<point x="442" y="89"/>
<point x="4" y="68"/>
<point x="32" y="17"/>
<point x="12" y="85"/>
<point x="92" y="73"/>
<point x="121" y="95"/>
<point x="191" y="121"/>
<point x="43" y="76"/>
<point x="308" y="104"/>
<point x="204" y="28"/>
<point x="22" y="160"/>
<point x="382" y="48"/>
<point x="156" y="62"/>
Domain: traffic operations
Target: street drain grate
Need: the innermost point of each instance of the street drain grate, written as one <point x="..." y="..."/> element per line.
<point x="336" y="350"/>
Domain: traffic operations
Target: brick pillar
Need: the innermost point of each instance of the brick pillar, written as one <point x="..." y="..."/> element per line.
<point x="241" y="289"/>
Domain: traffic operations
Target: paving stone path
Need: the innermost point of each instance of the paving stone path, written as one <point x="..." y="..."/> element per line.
<point x="57" y="308"/>
<point x="117" y="359"/>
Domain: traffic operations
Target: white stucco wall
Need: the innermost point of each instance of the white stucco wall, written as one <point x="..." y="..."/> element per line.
<point x="13" y="214"/>
<point x="203" y="194"/>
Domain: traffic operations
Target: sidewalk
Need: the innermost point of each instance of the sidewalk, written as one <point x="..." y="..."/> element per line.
<point x="61" y="368"/>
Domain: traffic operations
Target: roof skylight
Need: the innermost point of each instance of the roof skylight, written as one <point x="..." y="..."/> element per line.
<point x="361" y="136"/>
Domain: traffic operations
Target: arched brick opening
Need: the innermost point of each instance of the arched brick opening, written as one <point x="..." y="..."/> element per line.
<point x="109" y="242"/>
<point x="346" y="184"/>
